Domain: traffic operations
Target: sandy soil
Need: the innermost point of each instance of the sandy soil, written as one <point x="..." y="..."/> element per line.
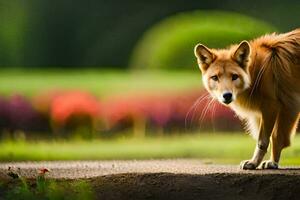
<point x="167" y="179"/>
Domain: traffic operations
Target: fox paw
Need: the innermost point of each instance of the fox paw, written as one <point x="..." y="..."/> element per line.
<point x="248" y="165"/>
<point x="268" y="164"/>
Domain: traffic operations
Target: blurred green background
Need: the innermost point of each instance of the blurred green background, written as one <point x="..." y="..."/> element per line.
<point x="118" y="79"/>
<point x="103" y="34"/>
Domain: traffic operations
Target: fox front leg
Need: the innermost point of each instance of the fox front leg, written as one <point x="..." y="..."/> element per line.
<point x="266" y="126"/>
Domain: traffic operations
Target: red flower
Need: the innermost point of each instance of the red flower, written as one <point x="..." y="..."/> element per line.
<point x="74" y="103"/>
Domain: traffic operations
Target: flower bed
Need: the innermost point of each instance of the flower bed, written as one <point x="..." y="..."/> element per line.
<point x="68" y="111"/>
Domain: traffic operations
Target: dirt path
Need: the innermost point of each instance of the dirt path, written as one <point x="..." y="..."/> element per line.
<point x="89" y="169"/>
<point x="168" y="179"/>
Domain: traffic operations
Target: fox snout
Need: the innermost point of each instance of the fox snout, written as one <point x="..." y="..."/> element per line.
<point x="227" y="98"/>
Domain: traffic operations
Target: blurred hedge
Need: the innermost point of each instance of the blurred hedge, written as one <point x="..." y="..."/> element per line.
<point x="169" y="44"/>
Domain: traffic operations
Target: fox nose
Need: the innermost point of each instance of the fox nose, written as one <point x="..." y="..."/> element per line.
<point x="227" y="97"/>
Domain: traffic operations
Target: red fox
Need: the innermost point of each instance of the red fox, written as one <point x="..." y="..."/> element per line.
<point x="260" y="81"/>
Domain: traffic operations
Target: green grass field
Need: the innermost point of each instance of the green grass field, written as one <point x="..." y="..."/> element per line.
<point x="219" y="148"/>
<point x="99" y="82"/>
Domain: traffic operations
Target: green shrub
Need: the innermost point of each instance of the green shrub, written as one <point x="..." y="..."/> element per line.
<point x="170" y="43"/>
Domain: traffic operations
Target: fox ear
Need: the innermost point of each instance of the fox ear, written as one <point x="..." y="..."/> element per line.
<point x="242" y="54"/>
<point x="204" y="56"/>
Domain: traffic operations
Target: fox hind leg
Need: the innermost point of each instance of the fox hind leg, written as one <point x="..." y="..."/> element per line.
<point x="285" y="126"/>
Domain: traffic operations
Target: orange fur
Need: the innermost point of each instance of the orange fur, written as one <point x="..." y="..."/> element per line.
<point x="266" y="93"/>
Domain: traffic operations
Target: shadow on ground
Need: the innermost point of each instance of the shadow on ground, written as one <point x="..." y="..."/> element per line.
<point x="184" y="186"/>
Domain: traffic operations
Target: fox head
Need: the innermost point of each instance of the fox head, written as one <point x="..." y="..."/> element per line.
<point x="225" y="72"/>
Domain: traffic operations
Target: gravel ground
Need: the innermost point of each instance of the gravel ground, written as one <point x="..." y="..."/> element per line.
<point x="89" y="169"/>
<point x="167" y="179"/>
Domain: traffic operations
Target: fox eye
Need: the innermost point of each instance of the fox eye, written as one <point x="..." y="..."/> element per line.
<point x="215" y="78"/>
<point x="234" y="77"/>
